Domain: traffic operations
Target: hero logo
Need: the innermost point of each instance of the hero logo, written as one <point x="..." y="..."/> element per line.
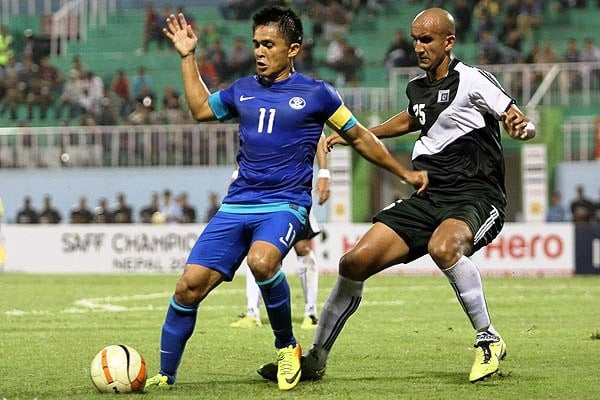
<point x="519" y="246"/>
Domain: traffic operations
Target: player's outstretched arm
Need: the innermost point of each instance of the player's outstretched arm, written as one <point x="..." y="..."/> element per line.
<point x="196" y="93"/>
<point x="517" y="125"/>
<point x="371" y="148"/>
<point x="398" y="125"/>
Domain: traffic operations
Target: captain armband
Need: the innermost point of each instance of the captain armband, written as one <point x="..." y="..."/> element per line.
<point x="342" y="119"/>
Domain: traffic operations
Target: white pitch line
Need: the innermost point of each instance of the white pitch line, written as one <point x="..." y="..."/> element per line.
<point x="107" y="303"/>
<point x="20" y="313"/>
<point x="96" y="305"/>
<point x="151" y="296"/>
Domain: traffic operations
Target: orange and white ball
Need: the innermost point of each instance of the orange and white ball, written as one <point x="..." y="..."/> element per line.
<point x="118" y="369"/>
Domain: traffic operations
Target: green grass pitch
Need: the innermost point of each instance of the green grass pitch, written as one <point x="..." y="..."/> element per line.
<point x="408" y="340"/>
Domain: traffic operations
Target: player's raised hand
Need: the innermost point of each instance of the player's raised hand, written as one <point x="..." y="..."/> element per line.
<point x="419" y="179"/>
<point x="334" y="139"/>
<point x="181" y="34"/>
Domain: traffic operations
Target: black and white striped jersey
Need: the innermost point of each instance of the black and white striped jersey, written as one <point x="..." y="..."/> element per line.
<point x="459" y="144"/>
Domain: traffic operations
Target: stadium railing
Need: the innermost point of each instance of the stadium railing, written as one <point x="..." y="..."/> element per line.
<point x="62" y="21"/>
<point x="565" y="85"/>
<point x="68" y="24"/>
<point x="196" y="144"/>
<point x="573" y="84"/>
<point x="118" y="146"/>
<point x="45" y="7"/>
<point x="581" y="138"/>
<point x="367" y="99"/>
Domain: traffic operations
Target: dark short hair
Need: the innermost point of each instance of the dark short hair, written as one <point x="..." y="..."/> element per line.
<point x="287" y="21"/>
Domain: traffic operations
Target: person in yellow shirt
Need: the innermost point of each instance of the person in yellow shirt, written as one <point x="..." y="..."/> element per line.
<point x="6" y="41"/>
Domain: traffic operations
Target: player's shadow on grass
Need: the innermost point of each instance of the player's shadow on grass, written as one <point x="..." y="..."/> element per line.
<point x="426" y="377"/>
<point x="447" y="377"/>
<point x="460" y="377"/>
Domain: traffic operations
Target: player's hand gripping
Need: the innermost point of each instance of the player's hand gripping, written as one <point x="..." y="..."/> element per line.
<point x="419" y="179"/>
<point x="517" y="125"/>
<point x="181" y="34"/>
<point x="334" y="139"/>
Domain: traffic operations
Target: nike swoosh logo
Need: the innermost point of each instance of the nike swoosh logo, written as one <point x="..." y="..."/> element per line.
<point x="244" y="98"/>
<point x="293" y="378"/>
<point x="166" y="352"/>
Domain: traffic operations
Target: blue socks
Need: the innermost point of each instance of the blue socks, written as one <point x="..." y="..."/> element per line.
<point x="177" y="329"/>
<point x="181" y="320"/>
<point x="276" y="295"/>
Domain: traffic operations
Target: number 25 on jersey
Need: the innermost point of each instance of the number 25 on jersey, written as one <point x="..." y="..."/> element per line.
<point x="419" y="110"/>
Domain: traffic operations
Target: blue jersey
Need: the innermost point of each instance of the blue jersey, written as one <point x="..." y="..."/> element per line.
<point x="280" y="124"/>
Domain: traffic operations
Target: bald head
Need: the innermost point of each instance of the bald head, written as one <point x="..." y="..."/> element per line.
<point x="436" y="20"/>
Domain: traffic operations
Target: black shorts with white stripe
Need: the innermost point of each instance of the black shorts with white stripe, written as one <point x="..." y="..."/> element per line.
<point x="416" y="218"/>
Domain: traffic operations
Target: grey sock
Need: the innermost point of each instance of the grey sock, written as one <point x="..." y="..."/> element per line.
<point x="342" y="302"/>
<point x="466" y="282"/>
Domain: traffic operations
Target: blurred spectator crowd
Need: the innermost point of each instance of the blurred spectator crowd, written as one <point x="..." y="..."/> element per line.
<point x="80" y="96"/>
<point x="161" y="209"/>
<point x="500" y="28"/>
<point x="582" y="209"/>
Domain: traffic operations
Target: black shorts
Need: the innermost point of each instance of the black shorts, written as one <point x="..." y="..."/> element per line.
<point x="311" y="229"/>
<point x="416" y="218"/>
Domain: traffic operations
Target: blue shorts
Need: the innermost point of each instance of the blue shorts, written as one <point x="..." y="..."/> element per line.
<point x="227" y="238"/>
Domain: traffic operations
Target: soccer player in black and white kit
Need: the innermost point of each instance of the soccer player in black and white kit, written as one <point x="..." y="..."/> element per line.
<point x="457" y="108"/>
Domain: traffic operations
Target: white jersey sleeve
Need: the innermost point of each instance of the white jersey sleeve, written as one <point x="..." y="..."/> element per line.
<point x="487" y="95"/>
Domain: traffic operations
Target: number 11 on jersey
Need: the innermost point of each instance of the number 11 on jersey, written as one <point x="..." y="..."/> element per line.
<point x="261" y="119"/>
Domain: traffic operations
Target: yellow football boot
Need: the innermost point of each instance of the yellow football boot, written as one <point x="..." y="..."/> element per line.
<point x="489" y="350"/>
<point x="288" y="367"/>
<point x="162" y="381"/>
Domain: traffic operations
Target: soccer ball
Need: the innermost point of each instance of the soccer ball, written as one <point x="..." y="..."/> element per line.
<point x="118" y="369"/>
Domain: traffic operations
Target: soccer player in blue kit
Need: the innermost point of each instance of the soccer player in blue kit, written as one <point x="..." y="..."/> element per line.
<point x="281" y="115"/>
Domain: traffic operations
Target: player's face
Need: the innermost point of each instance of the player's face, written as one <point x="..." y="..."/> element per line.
<point x="432" y="47"/>
<point x="272" y="55"/>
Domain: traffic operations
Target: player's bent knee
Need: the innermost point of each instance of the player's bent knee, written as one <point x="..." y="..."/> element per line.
<point x="352" y="266"/>
<point x="444" y="255"/>
<point x="262" y="269"/>
<point x="302" y="250"/>
<point x="187" y="295"/>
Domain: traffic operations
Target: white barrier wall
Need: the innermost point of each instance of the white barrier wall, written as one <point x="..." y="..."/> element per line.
<point x="521" y="249"/>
